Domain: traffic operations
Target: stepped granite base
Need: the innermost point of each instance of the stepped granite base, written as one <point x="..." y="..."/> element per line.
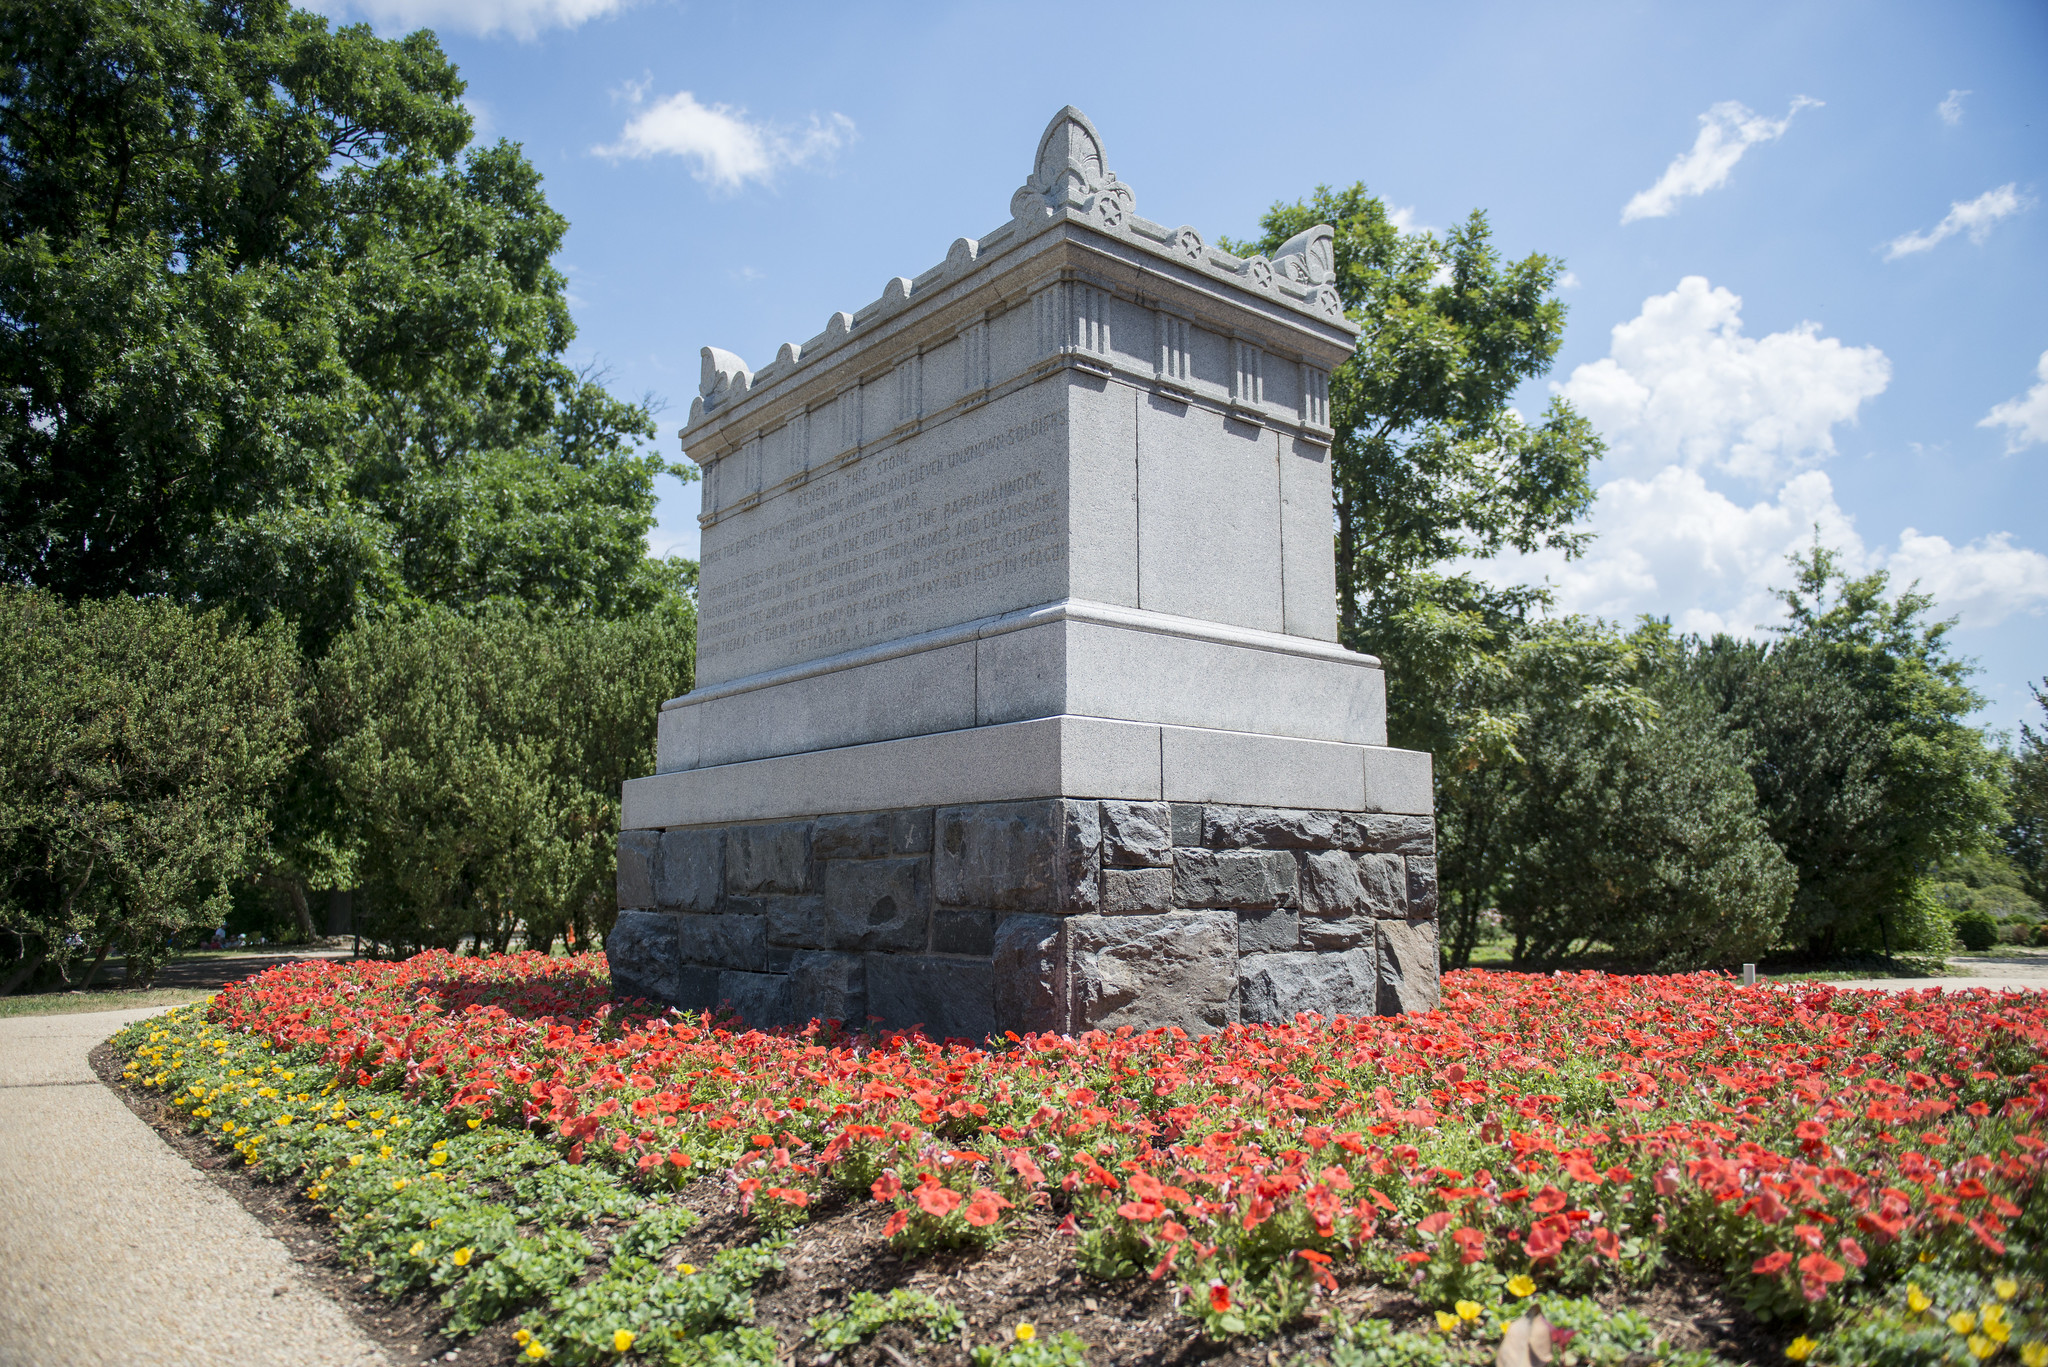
<point x="1059" y="914"/>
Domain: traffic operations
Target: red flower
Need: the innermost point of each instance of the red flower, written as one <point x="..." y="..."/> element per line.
<point x="985" y="1209"/>
<point x="937" y="1201"/>
<point x="1219" y="1297"/>
<point x="1771" y="1264"/>
<point x="887" y="1187"/>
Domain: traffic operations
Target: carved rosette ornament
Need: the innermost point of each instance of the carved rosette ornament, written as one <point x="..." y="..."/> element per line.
<point x="1327" y="301"/>
<point x="1259" y="271"/>
<point x="1188" y="243"/>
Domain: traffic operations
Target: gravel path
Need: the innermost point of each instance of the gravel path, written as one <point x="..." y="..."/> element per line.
<point x="114" y="1250"/>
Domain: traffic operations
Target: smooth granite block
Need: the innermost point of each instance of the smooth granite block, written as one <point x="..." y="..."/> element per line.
<point x="872" y="835"/>
<point x="1408" y="967"/>
<point x="875" y="904"/>
<point x="1421" y="889"/>
<point x="1206" y="482"/>
<point x="1398" y="781"/>
<point x="1274" y="988"/>
<point x="723" y="941"/>
<point x="678" y="732"/>
<point x="1028" y="968"/>
<point x="639" y="856"/>
<point x="690" y="873"/>
<point x="1125" y="891"/>
<point x="828" y="987"/>
<point x="1152" y="971"/>
<point x="1267" y="771"/>
<point x="911" y="695"/>
<point x="1268" y="930"/>
<point x="641" y="950"/>
<point x="1385" y="884"/>
<point x="950" y="998"/>
<point x="1137" y="833"/>
<point x="761" y="1000"/>
<point x="1233" y="878"/>
<point x="773" y="858"/>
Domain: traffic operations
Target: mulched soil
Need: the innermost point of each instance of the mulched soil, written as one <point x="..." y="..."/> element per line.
<point x="841" y="1251"/>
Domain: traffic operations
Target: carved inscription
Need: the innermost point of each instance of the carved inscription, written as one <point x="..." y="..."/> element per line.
<point x="880" y="550"/>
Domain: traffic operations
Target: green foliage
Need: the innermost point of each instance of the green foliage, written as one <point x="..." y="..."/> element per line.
<point x="867" y="1313"/>
<point x="1064" y="1350"/>
<point x="275" y="340"/>
<point x="526" y="1269"/>
<point x="1975" y="930"/>
<point x="2025" y="834"/>
<point x="681" y="1315"/>
<point x="480" y="761"/>
<point x="140" y="743"/>
<point x="1865" y="769"/>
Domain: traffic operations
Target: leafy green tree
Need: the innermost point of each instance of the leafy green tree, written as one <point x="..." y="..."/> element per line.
<point x="480" y="760"/>
<point x="2026" y="832"/>
<point x="272" y="339"/>
<point x="1865" y="768"/>
<point x="140" y="746"/>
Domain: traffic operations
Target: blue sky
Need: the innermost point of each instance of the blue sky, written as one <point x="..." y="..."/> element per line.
<point x="1807" y="243"/>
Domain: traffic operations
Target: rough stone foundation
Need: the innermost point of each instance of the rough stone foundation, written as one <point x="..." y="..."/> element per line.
<point x="1059" y="914"/>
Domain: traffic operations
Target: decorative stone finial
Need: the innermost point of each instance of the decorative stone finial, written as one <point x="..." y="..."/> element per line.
<point x="1072" y="169"/>
<point x="724" y="377"/>
<point x="1309" y="257"/>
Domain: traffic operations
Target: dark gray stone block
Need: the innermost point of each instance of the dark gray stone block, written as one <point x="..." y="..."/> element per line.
<point x="1421" y="889"/>
<point x="1150" y="971"/>
<point x="690" y="874"/>
<point x="875" y="904"/>
<point x="641" y="950"/>
<point x="1125" y="891"/>
<point x="1273" y="988"/>
<point x="728" y="941"/>
<point x="793" y="922"/>
<point x="1408" y="967"/>
<point x="1029" y="976"/>
<point x="828" y="987"/>
<point x="1187" y="823"/>
<point x="774" y="858"/>
<point x="1397" y="834"/>
<point x="697" y="988"/>
<point x="872" y="835"/>
<point x="1137" y="834"/>
<point x="1268" y="930"/>
<point x="1329" y="883"/>
<point x="1385" y="882"/>
<point x="1018" y="856"/>
<point x="950" y="998"/>
<point x="1277" y="828"/>
<point x="639" y="855"/>
<point x="1338" y="932"/>
<point x="960" y="930"/>
<point x="760" y="999"/>
<point x="1232" y="878"/>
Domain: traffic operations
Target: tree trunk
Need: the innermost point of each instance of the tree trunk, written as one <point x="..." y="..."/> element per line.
<point x="300" y="911"/>
<point x="94" y="971"/>
<point x="24" y="973"/>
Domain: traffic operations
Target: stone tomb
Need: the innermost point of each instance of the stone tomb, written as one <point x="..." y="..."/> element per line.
<point x="1019" y="704"/>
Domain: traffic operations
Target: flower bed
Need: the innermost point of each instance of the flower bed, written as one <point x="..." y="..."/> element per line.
<point x="1861" y="1169"/>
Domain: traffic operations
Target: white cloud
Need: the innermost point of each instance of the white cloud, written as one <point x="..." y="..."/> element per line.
<point x="729" y="149"/>
<point x="1726" y="131"/>
<point x="1568" y="281"/>
<point x="1403" y="219"/>
<point x="1951" y="109"/>
<point x="1974" y="217"/>
<point x="2026" y="415"/>
<point x="1682" y="384"/>
<point x="1684" y="395"/>
<point x="523" y="19"/>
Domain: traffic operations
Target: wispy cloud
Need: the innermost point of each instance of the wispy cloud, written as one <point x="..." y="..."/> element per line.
<point x="1726" y="131"/>
<point x="1951" y="109"/>
<point x="727" y="148"/>
<point x="1974" y="217"/>
<point x="2026" y="417"/>
<point x="524" y="19"/>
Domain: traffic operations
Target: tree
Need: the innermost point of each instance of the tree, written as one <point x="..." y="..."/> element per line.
<point x="272" y="339"/>
<point x="2025" y="833"/>
<point x="480" y="760"/>
<point x="1867" y="774"/>
<point x="140" y="745"/>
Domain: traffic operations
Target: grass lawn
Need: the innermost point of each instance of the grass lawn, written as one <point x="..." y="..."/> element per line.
<point x="1664" y="1169"/>
<point x="99" y="999"/>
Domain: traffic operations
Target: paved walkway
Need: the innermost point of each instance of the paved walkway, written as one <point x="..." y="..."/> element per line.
<point x="114" y="1250"/>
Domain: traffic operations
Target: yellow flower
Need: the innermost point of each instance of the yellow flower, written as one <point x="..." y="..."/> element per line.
<point x="438" y="1159"/>
<point x="284" y="1120"/>
<point x="354" y="1124"/>
<point x="1522" y="1284"/>
<point x="398" y="1184"/>
<point x="622" y="1340"/>
<point x="1963" y="1322"/>
<point x="1926" y="1255"/>
<point x="1916" y="1299"/>
<point x="1981" y="1347"/>
<point x="1446" y="1321"/>
<point x="384" y="1152"/>
<point x="473" y="1123"/>
<point x="1993" y="1313"/>
<point x="2034" y="1354"/>
<point x="535" y="1351"/>
<point x="1026" y="1332"/>
<point x="355" y="1160"/>
<point x="522" y="1338"/>
<point x="1469" y="1310"/>
<point x="460" y="1257"/>
<point x="419" y="1246"/>
<point x="1997" y="1330"/>
<point x="2006" y="1288"/>
<point x="687" y="1269"/>
<point x="1801" y="1348"/>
